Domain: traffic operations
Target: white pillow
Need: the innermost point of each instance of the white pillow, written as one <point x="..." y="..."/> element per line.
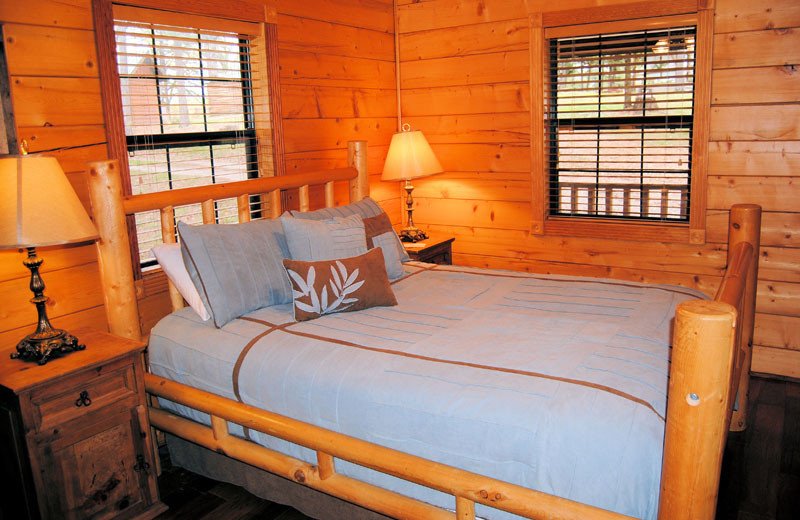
<point x="171" y="261"/>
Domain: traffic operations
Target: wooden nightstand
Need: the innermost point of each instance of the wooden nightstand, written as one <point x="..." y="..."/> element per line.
<point x="434" y="250"/>
<point x="74" y="434"/>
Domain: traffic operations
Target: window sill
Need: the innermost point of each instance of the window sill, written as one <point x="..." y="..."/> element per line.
<point x="618" y="230"/>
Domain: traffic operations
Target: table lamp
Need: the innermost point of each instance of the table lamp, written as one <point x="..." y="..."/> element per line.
<point x="38" y="208"/>
<point x="410" y="157"/>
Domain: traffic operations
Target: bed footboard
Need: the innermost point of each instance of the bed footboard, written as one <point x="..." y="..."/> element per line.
<point x="710" y="364"/>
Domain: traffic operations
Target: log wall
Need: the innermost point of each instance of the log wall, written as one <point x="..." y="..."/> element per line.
<point x="337" y="76"/>
<point x="465" y="84"/>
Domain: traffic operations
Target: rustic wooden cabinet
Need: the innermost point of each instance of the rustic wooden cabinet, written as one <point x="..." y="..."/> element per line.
<point x="434" y="250"/>
<point x="75" y="434"/>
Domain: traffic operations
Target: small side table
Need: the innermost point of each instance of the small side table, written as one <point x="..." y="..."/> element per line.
<point x="75" y="434"/>
<point x="434" y="250"/>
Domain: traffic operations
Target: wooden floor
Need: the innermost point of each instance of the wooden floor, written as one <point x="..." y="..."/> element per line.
<point x="760" y="473"/>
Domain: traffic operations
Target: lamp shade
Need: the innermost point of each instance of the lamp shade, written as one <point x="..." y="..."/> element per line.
<point x="410" y="156"/>
<point x="38" y="206"/>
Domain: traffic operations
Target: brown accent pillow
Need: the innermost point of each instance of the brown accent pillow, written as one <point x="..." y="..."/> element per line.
<point x="344" y="285"/>
<point x="375" y="226"/>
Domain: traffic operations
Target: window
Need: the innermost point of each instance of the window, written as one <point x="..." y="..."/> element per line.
<point x="190" y="111"/>
<point x="620" y="125"/>
<point x="620" y="106"/>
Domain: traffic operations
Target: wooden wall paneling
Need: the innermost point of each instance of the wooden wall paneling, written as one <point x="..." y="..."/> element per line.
<point x="55" y="259"/>
<point x="475" y="213"/>
<point x="768" y="360"/>
<point x="47" y="101"/>
<point x="484" y="157"/>
<point x="94" y="317"/>
<point x="746" y="15"/>
<point x="315" y="102"/>
<point x="303" y="34"/>
<point x="475" y="186"/>
<point x="779" y="263"/>
<point x="777" y="331"/>
<point x="747" y="49"/>
<point x="755" y="122"/>
<point x="466" y="70"/>
<point x="54" y="137"/>
<point x="307" y="68"/>
<point x="705" y="284"/>
<point x="437" y="14"/>
<point x="467" y="99"/>
<point x="323" y="134"/>
<point x="76" y="14"/>
<point x="507" y="35"/>
<point x="73" y="160"/>
<point x="777" y="229"/>
<point x="774" y="84"/>
<point x="755" y="158"/>
<point x="374" y="15"/>
<point x="49" y="51"/>
<point x="299" y="162"/>
<point x="70" y="290"/>
<point x="778" y="298"/>
<point x="774" y="193"/>
<point x="80" y="184"/>
<point x="521" y="245"/>
<point x="508" y="127"/>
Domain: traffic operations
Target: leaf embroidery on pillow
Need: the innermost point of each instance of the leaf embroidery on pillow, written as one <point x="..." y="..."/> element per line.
<point x="341" y="285"/>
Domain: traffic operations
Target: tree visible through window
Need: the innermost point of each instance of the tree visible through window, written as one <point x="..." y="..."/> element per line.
<point x="188" y="108"/>
<point x="620" y="125"/>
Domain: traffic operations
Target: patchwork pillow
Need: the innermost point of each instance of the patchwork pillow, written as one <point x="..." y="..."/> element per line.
<point x="313" y="240"/>
<point x="344" y="285"/>
<point x="365" y="207"/>
<point x="170" y="259"/>
<point x="236" y="268"/>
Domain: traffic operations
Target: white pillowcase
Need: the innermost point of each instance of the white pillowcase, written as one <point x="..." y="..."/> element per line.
<point x="171" y="261"/>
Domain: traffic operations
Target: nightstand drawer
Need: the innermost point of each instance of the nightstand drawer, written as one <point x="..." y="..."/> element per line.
<point x="83" y="393"/>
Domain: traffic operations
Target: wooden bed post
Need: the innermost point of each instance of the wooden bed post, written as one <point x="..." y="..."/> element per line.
<point x="116" y="270"/>
<point x="745" y="226"/>
<point x="697" y="409"/>
<point x="357" y="158"/>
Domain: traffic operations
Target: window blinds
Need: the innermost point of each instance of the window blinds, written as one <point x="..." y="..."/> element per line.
<point x="190" y="112"/>
<point x="620" y="124"/>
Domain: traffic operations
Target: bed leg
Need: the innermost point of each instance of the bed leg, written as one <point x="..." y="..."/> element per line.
<point x="699" y="396"/>
<point x="745" y="226"/>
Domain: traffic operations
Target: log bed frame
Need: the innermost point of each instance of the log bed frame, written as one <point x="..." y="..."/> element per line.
<point x="710" y="365"/>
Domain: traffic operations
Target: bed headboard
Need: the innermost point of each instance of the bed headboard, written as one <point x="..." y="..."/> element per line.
<point x="110" y="209"/>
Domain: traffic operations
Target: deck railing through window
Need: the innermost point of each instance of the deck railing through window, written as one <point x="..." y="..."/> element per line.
<point x="647" y="201"/>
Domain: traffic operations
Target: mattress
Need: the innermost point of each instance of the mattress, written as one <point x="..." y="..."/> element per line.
<point x="554" y="383"/>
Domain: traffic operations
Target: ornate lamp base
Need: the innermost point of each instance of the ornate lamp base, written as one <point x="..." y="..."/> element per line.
<point x="43" y="346"/>
<point x="414" y="234"/>
<point x="46" y="342"/>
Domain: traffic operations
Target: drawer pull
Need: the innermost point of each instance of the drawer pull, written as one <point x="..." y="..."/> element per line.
<point x="141" y="464"/>
<point x="83" y="400"/>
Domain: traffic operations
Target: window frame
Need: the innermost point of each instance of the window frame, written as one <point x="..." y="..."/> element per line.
<point x="548" y="22"/>
<point x="231" y="14"/>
